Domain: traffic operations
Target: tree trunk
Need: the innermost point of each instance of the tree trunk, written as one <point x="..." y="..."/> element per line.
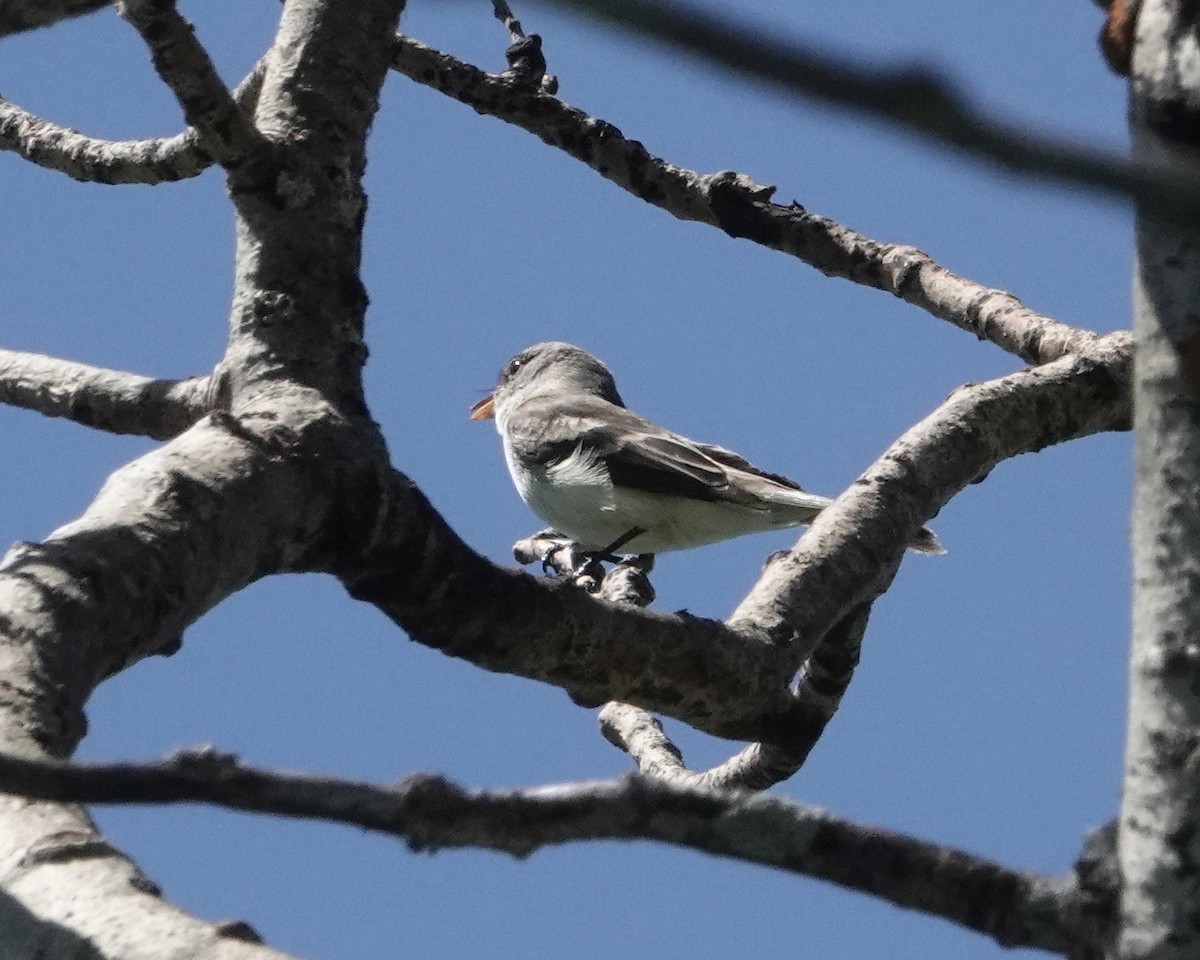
<point x="1159" y="844"/>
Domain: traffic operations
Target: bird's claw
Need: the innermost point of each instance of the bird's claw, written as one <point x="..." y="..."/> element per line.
<point x="561" y="557"/>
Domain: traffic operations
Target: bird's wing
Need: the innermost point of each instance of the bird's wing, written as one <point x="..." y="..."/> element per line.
<point x="641" y="455"/>
<point x="728" y="458"/>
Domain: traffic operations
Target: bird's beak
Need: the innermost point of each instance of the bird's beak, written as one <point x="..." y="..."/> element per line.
<point x="485" y="409"/>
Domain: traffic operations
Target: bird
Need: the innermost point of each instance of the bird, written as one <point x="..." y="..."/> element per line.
<point x="610" y="480"/>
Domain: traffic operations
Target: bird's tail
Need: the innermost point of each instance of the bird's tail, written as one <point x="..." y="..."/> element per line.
<point x="805" y="506"/>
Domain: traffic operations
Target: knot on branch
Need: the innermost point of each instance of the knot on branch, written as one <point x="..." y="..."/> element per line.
<point x="205" y="762"/>
<point x="740" y="206"/>
<point x="527" y="64"/>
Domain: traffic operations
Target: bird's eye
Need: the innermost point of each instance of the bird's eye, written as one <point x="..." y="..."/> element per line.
<point x="514" y="365"/>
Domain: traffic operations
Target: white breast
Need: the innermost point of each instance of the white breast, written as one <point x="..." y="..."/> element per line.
<point x="574" y="496"/>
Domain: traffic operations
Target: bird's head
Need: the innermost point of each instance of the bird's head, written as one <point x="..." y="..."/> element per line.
<point x="545" y="370"/>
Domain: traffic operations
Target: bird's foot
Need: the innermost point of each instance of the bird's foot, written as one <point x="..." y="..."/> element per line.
<point x="643" y="562"/>
<point x="563" y="558"/>
<point x="550" y="548"/>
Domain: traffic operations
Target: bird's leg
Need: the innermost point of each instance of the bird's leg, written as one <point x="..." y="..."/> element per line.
<point x="548" y="556"/>
<point x="609" y="553"/>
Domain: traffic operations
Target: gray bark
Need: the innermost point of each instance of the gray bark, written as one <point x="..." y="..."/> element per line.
<point x="1159" y="841"/>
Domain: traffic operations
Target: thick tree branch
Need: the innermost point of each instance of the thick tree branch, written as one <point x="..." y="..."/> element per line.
<point x="912" y="98"/>
<point x="88" y="159"/>
<point x="168" y="537"/>
<point x="431" y="813"/>
<point x="223" y="127"/>
<point x="848" y="556"/>
<point x="109" y="400"/>
<point x="742" y="208"/>
<point x="444" y="595"/>
<point x="20" y="15"/>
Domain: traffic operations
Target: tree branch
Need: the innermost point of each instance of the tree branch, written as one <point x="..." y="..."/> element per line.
<point x="109" y="400"/>
<point x="1157" y="840"/>
<point x="827" y="675"/>
<point x="168" y="537"/>
<point x="225" y="130"/>
<point x="912" y="98"/>
<point x="639" y="733"/>
<point x="444" y="595"/>
<point x="276" y="485"/>
<point x="431" y="813"/>
<point x="736" y="204"/>
<point x="17" y="16"/>
<point x="88" y="159"/>
<point x="848" y="556"/>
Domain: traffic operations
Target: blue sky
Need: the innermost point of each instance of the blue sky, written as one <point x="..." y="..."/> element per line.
<point x="988" y="712"/>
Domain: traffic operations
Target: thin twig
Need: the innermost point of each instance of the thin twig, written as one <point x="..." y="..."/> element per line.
<point x="505" y="15"/>
<point x="526" y="62"/>
<point x="911" y="98"/>
<point x="90" y="159"/>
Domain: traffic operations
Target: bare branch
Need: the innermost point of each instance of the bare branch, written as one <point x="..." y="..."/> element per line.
<point x="526" y="62"/>
<point x="742" y="208"/>
<point x="640" y="734"/>
<point x="848" y="556"/>
<point x="760" y="765"/>
<point x="157" y="160"/>
<point x="168" y="537"/>
<point x="431" y="813"/>
<point x="444" y="595"/>
<point x="20" y="15"/>
<point x="912" y="98"/>
<point x="109" y="400"/>
<point x="827" y="675"/>
<point x="279" y="484"/>
<point x="636" y="731"/>
<point x="503" y="13"/>
<point x="224" y="129"/>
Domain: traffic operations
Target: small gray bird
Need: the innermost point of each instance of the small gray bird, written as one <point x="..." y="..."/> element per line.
<point x="611" y="480"/>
